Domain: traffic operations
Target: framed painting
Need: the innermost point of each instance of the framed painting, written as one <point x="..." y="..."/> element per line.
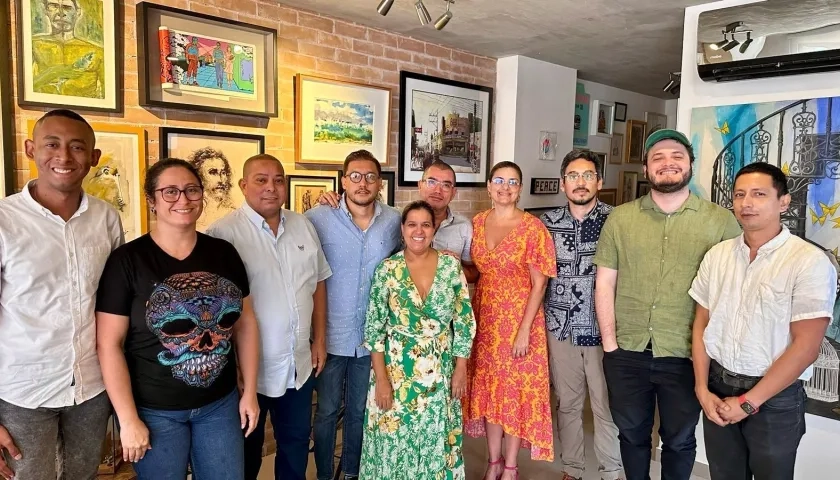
<point x="548" y="145"/>
<point x="334" y="118"/>
<point x="70" y="54"/>
<point x="655" y="121"/>
<point x="193" y="61"/>
<point x="617" y="149"/>
<point x="634" y="150"/>
<point x="642" y="188"/>
<point x="627" y="184"/>
<point x="444" y="120"/>
<point x="7" y="139"/>
<point x="303" y="191"/>
<point x="219" y="157"/>
<point x="607" y="195"/>
<point x="386" y="193"/>
<point x="603" y="118"/>
<point x="118" y="177"/>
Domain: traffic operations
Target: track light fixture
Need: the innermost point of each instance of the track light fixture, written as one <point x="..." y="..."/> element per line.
<point x="746" y="44"/>
<point x="720" y="44"/>
<point x="732" y="44"/>
<point x="422" y="13"/>
<point x="673" y="85"/>
<point x="445" y="18"/>
<point x="384" y="7"/>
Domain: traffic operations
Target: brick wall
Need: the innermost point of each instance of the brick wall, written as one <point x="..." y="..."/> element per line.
<point x="307" y="43"/>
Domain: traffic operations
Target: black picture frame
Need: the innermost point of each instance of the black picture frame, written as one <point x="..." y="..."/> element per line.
<point x="409" y="176"/>
<point x="391" y="188"/>
<point x="291" y="197"/>
<point x="119" y="55"/>
<point x="545" y="186"/>
<point x="146" y="72"/>
<point x="7" y="147"/>
<point x="620" y="112"/>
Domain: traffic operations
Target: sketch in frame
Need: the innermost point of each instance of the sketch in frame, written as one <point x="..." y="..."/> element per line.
<point x="627" y="186"/>
<point x="335" y="118"/>
<point x="304" y="191"/>
<point x="620" y="112"/>
<point x="219" y="157"/>
<point x="194" y="61"/>
<point x="386" y="193"/>
<point x="603" y="117"/>
<point x="119" y="175"/>
<point x="69" y="54"/>
<point x="444" y="120"/>
<point x="634" y="150"/>
<point x="655" y="121"/>
<point x="617" y="149"/>
<point x="548" y="146"/>
<point x="608" y="196"/>
<point x="7" y="139"/>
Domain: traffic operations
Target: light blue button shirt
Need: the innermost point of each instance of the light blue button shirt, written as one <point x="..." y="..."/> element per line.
<point x="353" y="256"/>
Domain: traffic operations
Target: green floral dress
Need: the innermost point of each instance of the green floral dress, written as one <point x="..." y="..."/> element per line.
<point x="419" y="438"/>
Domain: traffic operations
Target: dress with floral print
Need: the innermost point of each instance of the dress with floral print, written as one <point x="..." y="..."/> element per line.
<point x="420" y="436"/>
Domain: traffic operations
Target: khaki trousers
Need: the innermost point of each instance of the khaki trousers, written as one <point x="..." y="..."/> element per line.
<point x="574" y="368"/>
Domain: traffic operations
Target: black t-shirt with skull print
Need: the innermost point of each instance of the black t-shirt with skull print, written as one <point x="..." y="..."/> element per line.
<point x="179" y="349"/>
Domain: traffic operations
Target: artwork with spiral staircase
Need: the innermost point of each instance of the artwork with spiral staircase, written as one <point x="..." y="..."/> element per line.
<point x="802" y="137"/>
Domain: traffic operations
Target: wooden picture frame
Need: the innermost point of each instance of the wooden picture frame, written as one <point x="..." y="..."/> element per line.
<point x="426" y="104"/>
<point x="634" y="150"/>
<point x="334" y="118"/>
<point x="119" y="176"/>
<point x="303" y="191"/>
<point x="545" y="186"/>
<point x="388" y="191"/>
<point x="93" y="78"/>
<point x="608" y="196"/>
<point x="627" y="185"/>
<point x="192" y="61"/>
<point x="7" y="119"/>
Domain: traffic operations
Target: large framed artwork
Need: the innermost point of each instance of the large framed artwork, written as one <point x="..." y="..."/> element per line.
<point x="219" y="157"/>
<point x="7" y="139"/>
<point x="118" y="177"/>
<point x="194" y="61"/>
<point x="634" y="150"/>
<point x="444" y="120"/>
<point x="334" y="118"/>
<point x="70" y="54"/>
<point x="304" y="191"/>
<point x="388" y="190"/>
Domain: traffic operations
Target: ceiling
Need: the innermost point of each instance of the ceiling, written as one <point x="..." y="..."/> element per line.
<point x="770" y="18"/>
<point x="629" y="44"/>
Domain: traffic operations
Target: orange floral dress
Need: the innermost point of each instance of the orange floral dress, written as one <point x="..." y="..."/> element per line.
<point x="513" y="393"/>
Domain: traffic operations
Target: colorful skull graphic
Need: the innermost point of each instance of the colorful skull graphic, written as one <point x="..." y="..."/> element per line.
<point x="192" y="314"/>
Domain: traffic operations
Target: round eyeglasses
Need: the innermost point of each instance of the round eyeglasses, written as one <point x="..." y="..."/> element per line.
<point x="588" y="176"/>
<point x="356" y="177"/>
<point x="513" y="182"/>
<point x="172" y="194"/>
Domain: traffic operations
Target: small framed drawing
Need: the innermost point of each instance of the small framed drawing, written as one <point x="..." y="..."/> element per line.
<point x="334" y="118"/>
<point x="642" y="188"/>
<point x="601" y="122"/>
<point x="303" y="191"/>
<point x="219" y="157"/>
<point x="444" y="120"/>
<point x="388" y="190"/>
<point x="617" y="149"/>
<point x="634" y="150"/>
<point x="607" y="195"/>
<point x="7" y="119"/>
<point x="620" y="112"/>
<point x="627" y="186"/>
<point x="545" y="186"/>
<point x="655" y="121"/>
<point x="193" y="61"/>
<point x="118" y="177"/>
<point x="603" y="156"/>
<point x="548" y="145"/>
<point x="70" y="54"/>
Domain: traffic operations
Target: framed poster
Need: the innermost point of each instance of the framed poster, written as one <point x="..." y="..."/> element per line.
<point x="580" y="135"/>
<point x="607" y="195"/>
<point x="627" y="185"/>
<point x="634" y="150"/>
<point x="7" y="139"/>
<point x="617" y="149"/>
<point x="444" y="120"/>
<point x="548" y="146"/>
<point x="304" y="191"/>
<point x="334" y="118"/>
<point x="603" y="118"/>
<point x="193" y="61"/>
<point x="118" y="177"/>
<point x="545" y="186"/>
<point x="69" y="54"/>
<point x="655" y="121"/>
<point x="386" y="193"/>
<point x="219" y="157"/>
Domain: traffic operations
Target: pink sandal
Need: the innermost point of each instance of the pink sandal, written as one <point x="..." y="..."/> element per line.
<point x="515" y="469"/>
<point x="492" y="464"/>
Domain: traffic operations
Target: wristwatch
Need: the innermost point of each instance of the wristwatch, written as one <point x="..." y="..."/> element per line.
<point x="746" y="406"/>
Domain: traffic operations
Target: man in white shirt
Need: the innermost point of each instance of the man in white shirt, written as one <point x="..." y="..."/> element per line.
<point x="286" y="272"/>
<point x="764" y="300"/>
<point x="54" y="241"/>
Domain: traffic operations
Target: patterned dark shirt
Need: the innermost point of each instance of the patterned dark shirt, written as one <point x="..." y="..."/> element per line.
<point x="570" y="298"/>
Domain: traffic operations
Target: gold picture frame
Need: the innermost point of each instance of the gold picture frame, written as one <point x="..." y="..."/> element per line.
<point x="634" y="148"/>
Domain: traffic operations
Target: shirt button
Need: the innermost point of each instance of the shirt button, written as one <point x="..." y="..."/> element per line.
<point x="650" y="329"/>
<point x="654" y="307"/>
<point x="666" y="238"/>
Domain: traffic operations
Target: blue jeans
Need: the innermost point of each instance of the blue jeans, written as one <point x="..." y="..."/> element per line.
<point x="637" y="382"/>
<point x="209" y="438"/>
<point x="346" y="377"/>
<point x="291" y="418"/>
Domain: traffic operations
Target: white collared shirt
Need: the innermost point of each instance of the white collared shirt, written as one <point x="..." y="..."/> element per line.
<point x="751" y="305"/>
<point x="49" y="273"/>
<point x="283" y="272"/>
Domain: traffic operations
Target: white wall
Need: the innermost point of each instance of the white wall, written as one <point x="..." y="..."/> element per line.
<point x="817" y="457"/>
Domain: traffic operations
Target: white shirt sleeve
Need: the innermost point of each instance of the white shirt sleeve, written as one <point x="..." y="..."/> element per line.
<point x="699" y="290"/>
<point x="814" y="289"/>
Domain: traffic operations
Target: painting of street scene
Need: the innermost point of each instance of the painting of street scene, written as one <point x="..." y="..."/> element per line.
<point x="343" y="122"/>
<point x="446" y="128"/>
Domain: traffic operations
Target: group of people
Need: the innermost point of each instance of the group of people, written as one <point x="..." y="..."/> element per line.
<point x="193" y="340"/>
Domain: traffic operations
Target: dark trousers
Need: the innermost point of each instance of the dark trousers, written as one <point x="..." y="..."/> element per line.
<point x="762" y="445"/>
<point x="291" y="417"/>
<point x="637" y="382"/>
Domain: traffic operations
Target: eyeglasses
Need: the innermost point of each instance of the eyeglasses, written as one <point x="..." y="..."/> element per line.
<point x="432" y="183"/>
<point x="513" y="182"/>
<point x="588" y="176"/>
<point x="172" y="194"/>
<point x="356" y="177"/>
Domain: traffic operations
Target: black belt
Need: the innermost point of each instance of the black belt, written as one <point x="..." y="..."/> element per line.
<point x="731" y="378"/>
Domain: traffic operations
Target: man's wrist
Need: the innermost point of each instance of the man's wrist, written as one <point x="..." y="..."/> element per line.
<point x="749" y="407"/>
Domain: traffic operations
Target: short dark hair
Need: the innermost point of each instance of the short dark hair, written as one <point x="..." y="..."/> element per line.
<point x="64" y="113"/>
<point x="505" y="164"/>
<point x="417" y="205"/>
<point x="776" y="174"/>
<point x="440" y="164"/>
<point x="155" y="171"/>
<point x="587" y="155"/>
<point x="362" y="155"/>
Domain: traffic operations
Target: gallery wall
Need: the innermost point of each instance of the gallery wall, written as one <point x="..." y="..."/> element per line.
<point x="307" y="43"/>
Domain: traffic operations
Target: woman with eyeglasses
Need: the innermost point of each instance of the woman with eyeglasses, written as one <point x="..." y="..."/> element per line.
<point x="508" y="388"/>
<point x="174" y="326"/>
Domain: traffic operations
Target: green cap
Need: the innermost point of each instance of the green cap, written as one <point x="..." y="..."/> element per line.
<point x="666" y="134"/>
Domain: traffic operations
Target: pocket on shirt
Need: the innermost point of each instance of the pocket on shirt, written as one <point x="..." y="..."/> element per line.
<point x="93" y="261"/>
<point x="774" y="301"/>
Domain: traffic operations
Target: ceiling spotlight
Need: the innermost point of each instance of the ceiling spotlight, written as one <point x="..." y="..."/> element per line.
<point x="673" y="82"/>
<point x="746" y="44"/>
<point x="384" y="7"/>
<point x="445" y="18"/>
<point x="732" y="44"/>
<point x="720" y="44"/>
<point x="422" y="13"/>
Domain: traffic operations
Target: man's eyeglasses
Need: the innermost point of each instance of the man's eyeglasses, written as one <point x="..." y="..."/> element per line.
<point x="356" y="177"/>
<point x="172" y="194"/>
<point x="432" y="183"/>
<point x="588" y="176"/>
<point x="513" y="182"/>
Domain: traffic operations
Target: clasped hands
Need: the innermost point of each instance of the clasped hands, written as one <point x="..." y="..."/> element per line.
<point x="723" y="412"/>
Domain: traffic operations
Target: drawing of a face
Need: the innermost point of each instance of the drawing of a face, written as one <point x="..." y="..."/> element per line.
<point x="62" y="14"/>
<point x="216" y="172"/>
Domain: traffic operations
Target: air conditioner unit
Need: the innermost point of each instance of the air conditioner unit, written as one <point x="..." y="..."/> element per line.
<point x="768" y="39"/>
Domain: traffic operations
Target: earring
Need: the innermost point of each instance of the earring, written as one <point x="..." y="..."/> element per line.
<point x="153" y="210"/>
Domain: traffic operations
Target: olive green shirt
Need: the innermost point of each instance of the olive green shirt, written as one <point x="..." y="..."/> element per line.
<point x="657" y="255"/>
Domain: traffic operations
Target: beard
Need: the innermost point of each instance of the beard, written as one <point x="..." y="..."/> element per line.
<point x="670" y="186"/>
<point x="360" y="200"/>
<point x="585" y="200"/>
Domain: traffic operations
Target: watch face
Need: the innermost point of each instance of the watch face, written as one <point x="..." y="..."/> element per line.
<point x="747" y="408"/>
